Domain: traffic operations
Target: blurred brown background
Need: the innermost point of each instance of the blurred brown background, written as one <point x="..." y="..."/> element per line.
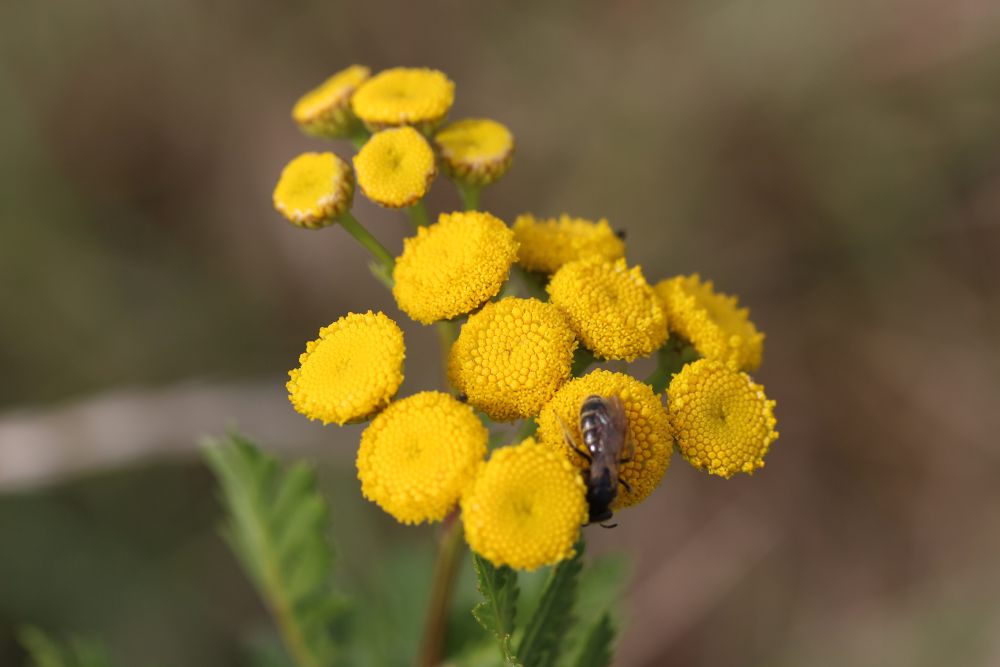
<point x="837" y="165"/>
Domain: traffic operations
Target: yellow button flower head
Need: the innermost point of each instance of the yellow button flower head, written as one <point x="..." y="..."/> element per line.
<point x="453" y="266"/>
<point x="404" y="96"/>
<point x="648" y="428"/>
<point x="610" y="307"/>
<point x="548" y="243"/>
<point x="712" y="322"/>
<point x="525" y="507"/>
<point x="475" y="151"/>
<point x="722" y="420"/>
<point x="511" y="356"/>
<point x="351" y="371"/>
<point x="395" y="167"/>
<point x="325" y="111"/>
<point x="314" y="189"/>
<point x="418" y="456"/>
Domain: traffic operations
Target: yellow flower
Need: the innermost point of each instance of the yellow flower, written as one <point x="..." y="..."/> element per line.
<point x="511" y="356"/>
<point x="722" y="420"/>
<point x="351" y="371"/>
<point x="712" y="322"/>
<point x="548" y="243"/>
<point x="404" y="96"/>
<point x="325" y="111"/>
<point x="648" y="429"/>
<point x="525" y="507"/>
<point x="475" y="151"/>
<point x="418" y="457"/>
<point x="610" y="307"/>
<point x="395" y="167"/>
<point x="453" y="266"/>
<point x="314" y="189"/>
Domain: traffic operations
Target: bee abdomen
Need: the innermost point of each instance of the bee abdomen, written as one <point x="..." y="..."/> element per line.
<point x="593" y="418"/>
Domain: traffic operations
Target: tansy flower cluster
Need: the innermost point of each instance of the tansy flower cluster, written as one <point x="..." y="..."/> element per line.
<point x="523" y="311"/>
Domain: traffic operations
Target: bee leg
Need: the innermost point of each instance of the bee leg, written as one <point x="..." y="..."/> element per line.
<point x="606" y="525"/>
<point x="628" y="487"/>
<point x="571" y="441"/>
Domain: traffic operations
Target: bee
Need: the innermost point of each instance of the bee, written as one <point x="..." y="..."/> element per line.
<point x="604" y="429"/>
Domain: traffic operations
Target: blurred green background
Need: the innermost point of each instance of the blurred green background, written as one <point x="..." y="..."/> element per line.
<point x="837" y="165"/>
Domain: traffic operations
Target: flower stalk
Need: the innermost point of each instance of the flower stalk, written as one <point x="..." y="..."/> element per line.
<point x="371" y="244"/>
<point x="446" y="569"/>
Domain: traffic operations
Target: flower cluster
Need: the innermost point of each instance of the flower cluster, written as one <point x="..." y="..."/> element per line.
<point x="524" y="311"/>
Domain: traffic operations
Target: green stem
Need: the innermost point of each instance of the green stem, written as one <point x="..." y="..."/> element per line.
<point x="582" y="359"/>
<point x="470" y="196"/>
<point x="364" y="237"/>
<point x="670" y="360"/>
<point x="418" y="214"/>
<point x="446" y="571"/>
<point x="360" y="136"/>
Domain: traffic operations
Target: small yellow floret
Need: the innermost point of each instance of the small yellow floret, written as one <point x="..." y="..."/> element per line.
<point x="314" y="189"/>
<point x="395" y="167"/>
<point x="325" y="111"/>
<point x="548" y="243"/>
<point x="404" y="96"/>
<point x="610" y="307"/>
<point x="419" y="456"/>
<point x="721" y="419"/>
<point x="475" y="151"/>
<point x="713" y="322"/>
<point x="648" y="429"/>
<point x="453" y="266"/>
<point x="511" y="357"/>
<point x="525" y="507"/>
<point x="351" y="371"/>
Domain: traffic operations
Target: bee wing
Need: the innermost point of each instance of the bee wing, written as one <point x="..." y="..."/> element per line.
<point x="619" y="421"/>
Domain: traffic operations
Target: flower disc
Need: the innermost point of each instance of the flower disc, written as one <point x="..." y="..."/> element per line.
<point x="404" y="96"/>
<point x="548" y="243"/>
<point x="314" y="189"/>
<point x="395" y="167"/>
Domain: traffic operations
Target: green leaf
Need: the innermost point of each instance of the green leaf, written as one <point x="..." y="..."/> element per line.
<point x="542" y="640"/>
<point x="497" y="613"/>
<point x="596" y="651"/>
<point x="45" y="651"/>
<point x="277" y="526"/>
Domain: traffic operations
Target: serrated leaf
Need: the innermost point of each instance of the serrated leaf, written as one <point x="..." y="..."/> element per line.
<point x="498" y="611"/>
<point x="277" y="525"/>
<point x="45" y="651"/>
<point x="543" y="636"/>
<point x="596" y="651"/>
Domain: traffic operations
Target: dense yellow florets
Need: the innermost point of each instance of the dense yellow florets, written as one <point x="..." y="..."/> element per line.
<point x="713" y="323"/>
<point x="721" y="419"/>
<point x="453" y="266"/>
<point x="475" y="151"/>
<point x="525" y="507"/>
<point x="314" y="189"/>
<point x="325" y="111"/>
<point x="610" y="307"/>
<point x="648" y="429"/>
<point x="419" y="456"/>
<point x="548" y="243"/>
<point x="511" y="357"/>
<point x="404" y="96"/>
<point x="395" y="167"/>
<point x="351" y="371"/>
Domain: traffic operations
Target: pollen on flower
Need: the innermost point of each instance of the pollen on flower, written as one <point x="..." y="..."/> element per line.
<point x="453" y="266"/>
<point x="351" y="371"/>
<point x="511" y="357"/>
<point x="525" y="507"/>
<point x="475" y="151"/>
<point x="395" y="167"/>
<point x="548" y="243"/>
<point x="325" y="111"/>
<point x="648" y="430"/>
<point x="314" y="189"/>
<point x="610" y="307"/>
<point x="722" y="420"/>
<point x="713" y="322"/>
<point x="419" y="456"/>
<point x="404" y="96"/>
